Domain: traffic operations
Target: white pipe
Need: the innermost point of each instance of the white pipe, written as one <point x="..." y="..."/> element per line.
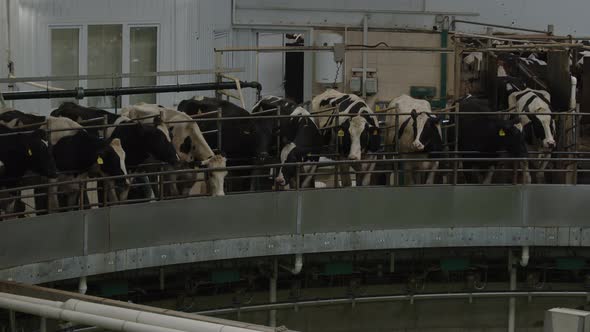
<point x="298" y="265"/>
<point x="79" y="317"/>
<point x="365" y="42"/>
<point x="82" y="285"/>
<point x="55" y="304"/>
<point x="148" y="318"/>
<point x="524" y="260"/>
<point x="573" y="101"/>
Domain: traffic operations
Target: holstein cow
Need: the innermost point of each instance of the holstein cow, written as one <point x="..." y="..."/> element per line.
<point x="538" y="125"/>
<point x="21" y="153"/>
<point x="305" y="146"/>
<point x="141" y="142"/>
<point x="80" y="154"/>
<point x="355" y="135"/>
<point x="487" y="135"/>
<point x="419" y="134"/>
<point x="237" y="136"/>
<point x="268" y="129"/>
<point x="188" y="141"/>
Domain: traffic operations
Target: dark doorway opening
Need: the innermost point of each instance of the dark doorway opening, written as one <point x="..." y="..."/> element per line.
<point x="294" y="64"/>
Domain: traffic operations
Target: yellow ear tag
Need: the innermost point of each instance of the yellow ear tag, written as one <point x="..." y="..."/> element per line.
<point x="99" y="161"/>
<point x="376" y="132"/>
<point x="340" y="133"/>
<point x="502" y="133"/>
<point x="30" y="152"/>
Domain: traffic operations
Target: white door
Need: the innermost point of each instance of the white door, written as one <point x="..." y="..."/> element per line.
<point x="271" y="66"/>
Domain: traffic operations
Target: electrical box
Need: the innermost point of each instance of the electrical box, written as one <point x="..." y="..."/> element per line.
<point x="566" y="320"/>
<point x="371" y="86"/>
<point x="356" y="84"/>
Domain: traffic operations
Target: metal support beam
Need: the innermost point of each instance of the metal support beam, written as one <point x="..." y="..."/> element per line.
<point x="12" y="320"/>
<point x="77" y="93"/>
<point x="512" y="300"/>
<point x="272" y="315"/>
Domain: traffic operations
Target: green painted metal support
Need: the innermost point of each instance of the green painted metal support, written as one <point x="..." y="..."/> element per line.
<point x="454" y="264"/>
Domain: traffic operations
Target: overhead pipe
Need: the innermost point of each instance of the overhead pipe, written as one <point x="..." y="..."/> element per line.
<point x="107" y="323"/>
<point x="81" y="93"/>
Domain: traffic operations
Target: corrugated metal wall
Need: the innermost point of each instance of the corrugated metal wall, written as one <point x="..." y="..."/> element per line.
<point x="189" y="30"/>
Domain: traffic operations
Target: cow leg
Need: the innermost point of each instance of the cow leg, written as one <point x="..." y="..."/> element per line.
<point x="345" y="175"/>
<point x="526" y="175"/>
<point x="369" y="168"/>
<point x="489" y="175"/>
<point x="432" y="173"/>
<point x="309" y="180"/>
<point x="409" y="174"/>
<point x="540" y="175"/>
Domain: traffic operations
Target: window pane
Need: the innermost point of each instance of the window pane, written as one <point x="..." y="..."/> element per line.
<point x="105" y="53"/>
<point x="143" y="58"/>
<point x="64" y="59"/>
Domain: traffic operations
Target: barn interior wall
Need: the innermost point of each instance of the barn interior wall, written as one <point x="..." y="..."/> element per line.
<point x="568" y="17"/>
<point x="396" y="71"/>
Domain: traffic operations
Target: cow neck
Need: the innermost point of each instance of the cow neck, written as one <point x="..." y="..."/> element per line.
<point x="402" y="128"/>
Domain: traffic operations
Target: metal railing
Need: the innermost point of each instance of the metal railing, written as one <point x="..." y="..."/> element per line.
<point x="389" y="163"/>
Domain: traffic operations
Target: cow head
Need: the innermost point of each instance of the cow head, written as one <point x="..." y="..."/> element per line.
<point x="287" y="174"/>
<point x="541" y="126"/>
<point x="357" y="136"/>
<point x="511" y="137"/>
<point x="38" y="153"/>
<point x="157" y="141"/>
<point x="427" y="132"/>
<point x="216" y="178"/>
<point x="190" y="143"/>
<point x="111" y="161"/>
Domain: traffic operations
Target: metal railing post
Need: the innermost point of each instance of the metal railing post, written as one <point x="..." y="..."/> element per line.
<point x="396" y="166"/>
<point x="337" y="126"/>
<point x="456" y="162"/>
<point x="82" y="192"/>
<point x="219" y="128"/>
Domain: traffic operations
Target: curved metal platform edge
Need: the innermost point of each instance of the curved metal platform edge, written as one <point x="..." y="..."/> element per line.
<point x="69" y="245"/>
<point x="130" y="259"/>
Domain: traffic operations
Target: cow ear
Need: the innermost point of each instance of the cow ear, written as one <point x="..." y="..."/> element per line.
<point x="414" y="114"/>
<point x="116" y="143"/>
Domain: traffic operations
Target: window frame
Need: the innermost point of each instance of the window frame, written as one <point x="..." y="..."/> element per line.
<point x="126" y="52"/>
<point x="82" y="50"/>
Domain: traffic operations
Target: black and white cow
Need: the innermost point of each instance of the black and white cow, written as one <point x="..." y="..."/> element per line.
<point x="267" y="130"/>
<point x="71" y="147"/>
<point x="539" y="126"/>
<point x="237" y="136"/>
<point x="22" y="153"/>
<point x="188" y="140"/>
<point x="305" y="146"/>
<point x="141" y="142"/>
<point x="487" y="135"/>
<point x="419" y="134"/>
<point x="356" y="130"/>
